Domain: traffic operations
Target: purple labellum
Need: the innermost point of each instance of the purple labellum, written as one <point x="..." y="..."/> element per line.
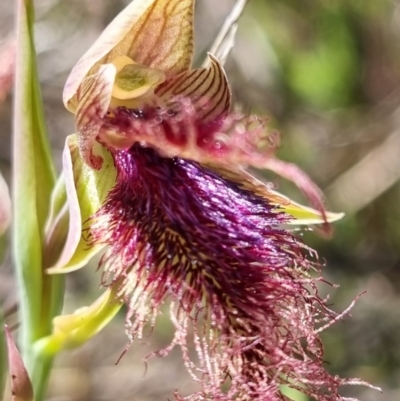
<point x="237" y="281"/>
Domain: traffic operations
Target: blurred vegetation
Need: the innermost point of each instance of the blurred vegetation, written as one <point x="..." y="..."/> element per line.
<point x="328" y="75"/>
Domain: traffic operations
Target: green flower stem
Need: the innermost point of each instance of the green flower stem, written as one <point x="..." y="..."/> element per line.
<point x="71" y="331"/>
<point x="40" y="295"/>
<point x="40" y="373"/>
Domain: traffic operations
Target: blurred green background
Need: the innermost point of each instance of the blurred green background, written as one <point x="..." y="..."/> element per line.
<point x="327" y="73"/>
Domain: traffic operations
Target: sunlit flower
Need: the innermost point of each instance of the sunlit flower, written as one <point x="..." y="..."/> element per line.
<point x="157" y="178"/>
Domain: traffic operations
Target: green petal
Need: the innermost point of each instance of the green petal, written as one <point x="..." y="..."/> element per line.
<point x="56" y="228"/>
<point x="302" y="215"/>
<point x="86" y="191"/>
<point x="57" y="202"/>
<point x="72" y="331"/>
<point x="134" y="80"/>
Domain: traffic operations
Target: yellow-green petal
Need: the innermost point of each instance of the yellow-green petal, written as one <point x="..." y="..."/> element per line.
<point x="302" y="215"/>
<point x="56" y="228"/>
<point x="134" y="80"/>
<point x="72" y="331"/>
<point x="86" y="191"/>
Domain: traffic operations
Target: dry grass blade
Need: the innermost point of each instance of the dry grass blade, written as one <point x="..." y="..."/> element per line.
<point x="225" y="39"/>
<point x="366" y="180"/>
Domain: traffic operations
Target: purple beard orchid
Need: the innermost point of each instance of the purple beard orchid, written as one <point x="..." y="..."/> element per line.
<point x="156" y="178"/>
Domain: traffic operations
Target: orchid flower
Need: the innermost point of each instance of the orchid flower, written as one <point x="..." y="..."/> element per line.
<point x="157" y="180"/>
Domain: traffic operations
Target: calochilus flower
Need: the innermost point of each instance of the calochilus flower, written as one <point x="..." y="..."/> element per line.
<point x="157" y="180"/>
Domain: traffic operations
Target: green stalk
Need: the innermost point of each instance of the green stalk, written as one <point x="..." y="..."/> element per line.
<point x="40" y="295"/>
<point x="40" y="374"/>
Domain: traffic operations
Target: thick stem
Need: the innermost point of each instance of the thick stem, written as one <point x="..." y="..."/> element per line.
<point x="39" y="367"/>
<point x="40" y="296"/>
